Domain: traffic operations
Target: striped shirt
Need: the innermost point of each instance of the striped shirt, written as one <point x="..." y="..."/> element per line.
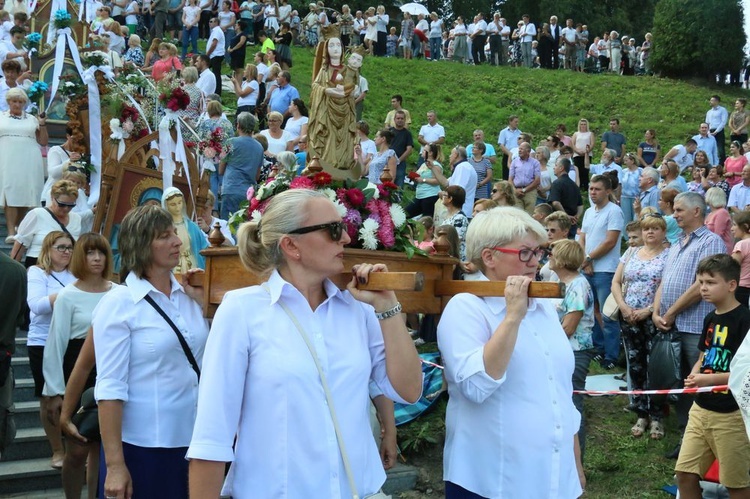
<point x="679" y="275"/>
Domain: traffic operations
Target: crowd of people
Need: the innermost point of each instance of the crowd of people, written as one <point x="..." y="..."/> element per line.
<point x="685" y="275"/>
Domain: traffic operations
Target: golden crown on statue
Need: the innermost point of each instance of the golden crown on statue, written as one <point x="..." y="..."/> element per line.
<point x="331" y="31"/>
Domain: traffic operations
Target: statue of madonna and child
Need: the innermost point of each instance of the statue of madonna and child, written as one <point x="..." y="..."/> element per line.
<point x="332" y="129"/>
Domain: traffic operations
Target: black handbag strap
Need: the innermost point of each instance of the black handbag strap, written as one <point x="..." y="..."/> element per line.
<point x="62" y="226"/>
<point x="183" y="343"/>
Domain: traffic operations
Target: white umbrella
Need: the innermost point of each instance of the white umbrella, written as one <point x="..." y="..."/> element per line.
<point x="415" y="9"/>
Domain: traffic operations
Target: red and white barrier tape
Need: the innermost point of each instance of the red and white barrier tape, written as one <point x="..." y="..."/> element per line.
<point x="674" y="391"/>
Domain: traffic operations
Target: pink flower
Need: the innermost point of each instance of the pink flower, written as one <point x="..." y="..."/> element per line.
<point x="128" y="126"/>
<point x="209" y="153"/>
<point x="301" y="182"/>
<point x="250" y="193"/>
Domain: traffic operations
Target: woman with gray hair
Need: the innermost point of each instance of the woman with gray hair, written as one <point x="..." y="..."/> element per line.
<point x="21" y="182"/>
<point x="241" y="167"/>
<point x="508" y="362"/>
<point x="301" y="353"/>
<point x="148" y="337"/>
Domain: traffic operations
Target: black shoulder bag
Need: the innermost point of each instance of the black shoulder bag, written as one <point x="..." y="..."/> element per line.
<point x="183" y="343"/>
<point x="64" y="229"/>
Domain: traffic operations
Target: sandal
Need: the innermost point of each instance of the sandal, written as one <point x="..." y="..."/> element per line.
<point x="657" y="430"/>
<point x="639" y="428"/>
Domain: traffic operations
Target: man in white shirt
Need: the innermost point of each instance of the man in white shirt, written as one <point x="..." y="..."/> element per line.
<point x="739" y="196"/>
<point x="570" y="40"/>
<point x="464" y="175"/>
<point x="215" y="47"/>
<point x="431" y="133"/>
<point x="507" y="140"/>
<point x="683" y="155"/>
<point x="493" y="33"/>
<point x="600" y="240"/>
<point x="707" y="143"/>
<point x="717" y="118"/>
<point x="478" y="39"/>
<point x="528" y="34"/>
<point x="206" y="81"/>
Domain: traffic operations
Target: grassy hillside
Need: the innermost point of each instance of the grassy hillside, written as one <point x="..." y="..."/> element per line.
<point x="468" y="97"/>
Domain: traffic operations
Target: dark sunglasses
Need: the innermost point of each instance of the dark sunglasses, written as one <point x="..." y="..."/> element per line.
<point x="335" y="230"/>
<point x="64" y="205"/>
<point x="652" y="215"/>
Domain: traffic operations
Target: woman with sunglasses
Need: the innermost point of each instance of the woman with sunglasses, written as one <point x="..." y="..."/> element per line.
<point x="511" y="426"/>
<point x="91" y="264"/>
<point x="262" y="338"/>
<point x="634" y="285"/>
<point x="45" y="280"/>
<point x="41" y="221"/>
<point x="148" y="338"/>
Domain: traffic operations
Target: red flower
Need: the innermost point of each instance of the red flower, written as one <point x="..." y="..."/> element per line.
<point x="413" y="175"/>
<point x="389" y="185"/>
<point x="355" y="197"/>
<point x="190" y="143"/>
<point x="322" y="179"/>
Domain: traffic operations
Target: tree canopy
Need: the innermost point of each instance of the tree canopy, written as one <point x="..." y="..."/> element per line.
<point x="698" y="38"/>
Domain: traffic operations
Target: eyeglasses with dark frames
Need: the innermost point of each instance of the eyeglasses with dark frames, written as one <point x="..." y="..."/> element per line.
<point x="63" y="249"/>
<point x="524" y="254"/>
<point x="335" y="230"/>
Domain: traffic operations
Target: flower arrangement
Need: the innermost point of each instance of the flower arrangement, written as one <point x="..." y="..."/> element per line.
<point x="214" y="147"/>
<point x="71" y="86"/>
<point x="33" y="40"/>
<point x="172" y="96"/>
<point x="62" y="19"/>
<point x="36" y="91"/>
<point x="94" y="58"/>
<point x="372" y="214"/>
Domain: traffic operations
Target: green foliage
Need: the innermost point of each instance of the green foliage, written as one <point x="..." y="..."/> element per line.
<point x="697" y="38"/>
<point x="424" y="433"/>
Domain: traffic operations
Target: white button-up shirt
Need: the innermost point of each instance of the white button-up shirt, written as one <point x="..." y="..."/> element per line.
<point x="510" y="437"/>
<point x="260" y="383"/>
<point x="739" y="197"/>
<point x="207" y="82"/>
<point x="139" y="360"/>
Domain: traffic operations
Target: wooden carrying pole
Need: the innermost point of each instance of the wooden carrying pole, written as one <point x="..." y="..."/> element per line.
<point x="415" y="281"/>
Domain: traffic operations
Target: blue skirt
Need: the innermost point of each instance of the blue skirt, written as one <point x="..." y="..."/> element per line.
<point x="155" y="472"/>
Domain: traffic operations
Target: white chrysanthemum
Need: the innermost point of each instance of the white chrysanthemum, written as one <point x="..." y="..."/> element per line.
<point x="255" y="216"/>
<point x="398" y="215"/>
<point x="114" y="123"/>
<point x="368" y="234"/>
<point x="374" y="187"/>
<point x="330" y="194"/>
<point x="339" y="207"/>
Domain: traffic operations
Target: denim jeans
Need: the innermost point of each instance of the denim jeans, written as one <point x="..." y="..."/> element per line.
<point x="214" y="182"/>
<point x="628" y="214"/>
<point x="189" y="36"/>
<point x="400" y="174"/>
<point x="435" y="42"/>
<point x="606" y="339"/>
<point x="230" y="203"/>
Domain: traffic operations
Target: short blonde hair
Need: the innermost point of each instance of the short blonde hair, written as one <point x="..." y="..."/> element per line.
<point x="64" y="188"/>
<point x="568" y="254"/>
<point x="499" y="227"/>
<point x="134" y="41"/>
<point x="716" y="197"/>
<point x="214" y="108"/>
<point x="275" y="115"/>
<point x="561" y="218"/>
<point x="16" y="94"/>
<point x="190" y="74"/>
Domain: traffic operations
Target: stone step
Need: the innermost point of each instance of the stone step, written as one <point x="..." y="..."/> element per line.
<point x="24" y="390"/>
<point x="27" y="414"/>
<point x="400" y="478"/>
<point x="20" y="478"/>
<point x="30" y="443"/>
<point x="21" y="367"/>
<point x="21" y="346"/>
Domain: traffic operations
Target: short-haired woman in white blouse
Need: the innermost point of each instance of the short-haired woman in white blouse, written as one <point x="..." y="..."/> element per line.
<point x="511" y="427"/>
<point x="260" y="382"/>
<point x="146" y="382"/>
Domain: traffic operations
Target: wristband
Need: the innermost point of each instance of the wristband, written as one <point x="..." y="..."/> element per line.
<point x="391" y="312"/>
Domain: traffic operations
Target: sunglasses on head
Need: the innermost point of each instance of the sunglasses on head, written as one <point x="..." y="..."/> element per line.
<point x="335" y="230"/>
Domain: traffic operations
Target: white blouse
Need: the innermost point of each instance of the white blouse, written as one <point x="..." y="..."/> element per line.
<point x="286" y="445"/>
<point x="139" y="361"/>
<point x="511" y="437"/>
<point x="294" y="126"/>
<point x="37" y="224"/>
<point x="40" y="286"/>
<point x="71" y="320"/>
